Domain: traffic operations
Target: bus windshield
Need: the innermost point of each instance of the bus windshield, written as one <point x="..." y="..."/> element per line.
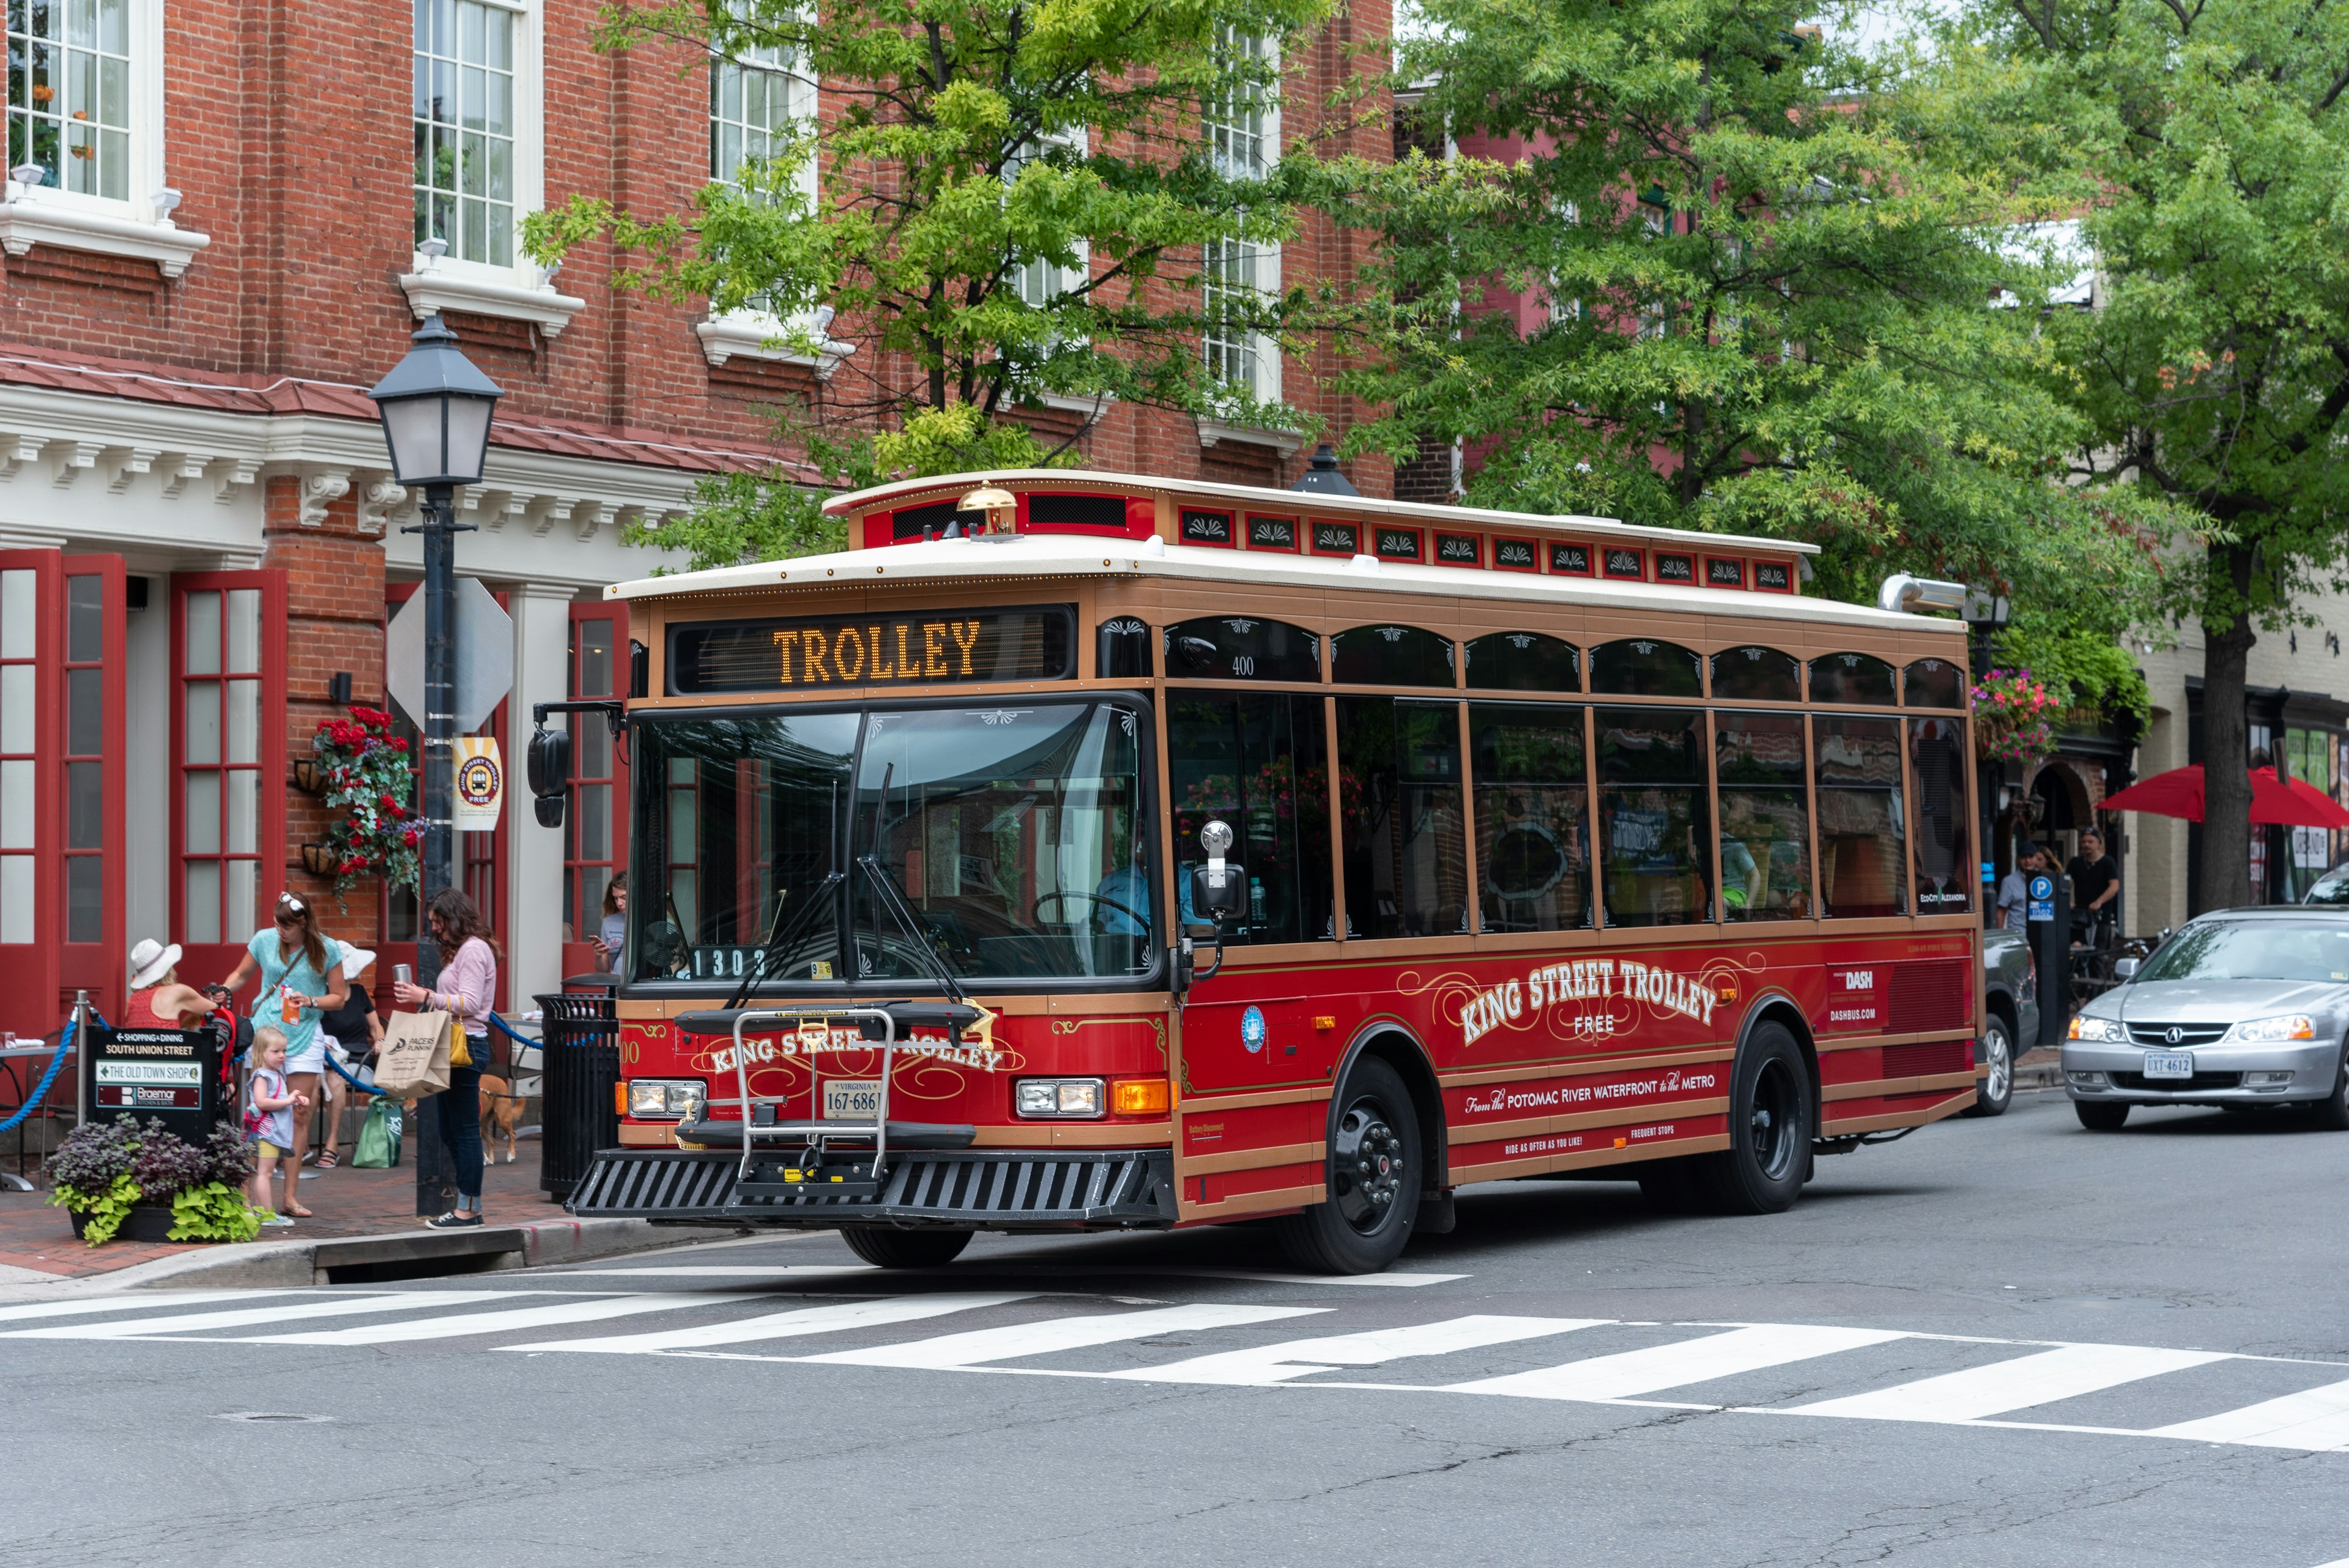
<point x="1014" y="837"/>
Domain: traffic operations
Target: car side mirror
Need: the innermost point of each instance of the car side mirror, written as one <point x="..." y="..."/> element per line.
<point x="2124" y="969"/>
<point x="1219" y="892"/>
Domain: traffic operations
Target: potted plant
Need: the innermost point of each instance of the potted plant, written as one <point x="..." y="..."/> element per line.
<point x="2013" y="717"/>
<point x="363" y="774"/>
<point x="144" y="1184"/>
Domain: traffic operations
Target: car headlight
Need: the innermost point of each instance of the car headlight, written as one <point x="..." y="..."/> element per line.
<point x="2288" y="1026"/>
<point x="2086" y="1028"/>
<point x="665" y="1100"/>
<point x="1058" y="1096"/>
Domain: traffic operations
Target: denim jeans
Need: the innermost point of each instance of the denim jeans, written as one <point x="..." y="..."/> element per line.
<point x="460" y="1108"/>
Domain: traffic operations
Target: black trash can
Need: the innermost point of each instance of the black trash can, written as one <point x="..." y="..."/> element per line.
<point x="582" y="1062"/>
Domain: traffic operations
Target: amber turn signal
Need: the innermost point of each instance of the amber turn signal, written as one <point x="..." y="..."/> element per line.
<point x="1139" y="1096"/>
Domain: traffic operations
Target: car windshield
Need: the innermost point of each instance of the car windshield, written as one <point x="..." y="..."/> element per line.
<point x="1011" y="836"/>
<point x="2253" y="950"/>
<point x="2332" y="888"/>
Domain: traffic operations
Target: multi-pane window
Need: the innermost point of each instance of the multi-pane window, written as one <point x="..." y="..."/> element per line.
<point x="1035" y="280"/>
<point x="598" y="645"/>
<point x="1242" y="127"/>
<point x="69" y="93"/>
<point x="755" y="97"/>
<point x="85" y="758"/>
<point x="465" y="128"/>
<point x="219" y="771"/>
<point x="19" y="767"/>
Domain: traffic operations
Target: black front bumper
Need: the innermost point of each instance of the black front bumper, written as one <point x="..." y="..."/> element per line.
<point x="993" y="1189"/>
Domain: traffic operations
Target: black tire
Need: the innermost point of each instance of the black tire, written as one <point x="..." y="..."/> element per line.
<point x="2102" y="1115"/>
<point x="1769" y="1152"/>
<point x="889" y="1249"/>
<point x="1994" y="1092"/>
<point x="1374" y="1176"/>
<point x="2331" y="1112"/>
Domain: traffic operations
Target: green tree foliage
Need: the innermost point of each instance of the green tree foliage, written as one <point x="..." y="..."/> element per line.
<point x="1018" y="200"/>
<point x="1761" y="277"/>
<point x="2209" y="147"/>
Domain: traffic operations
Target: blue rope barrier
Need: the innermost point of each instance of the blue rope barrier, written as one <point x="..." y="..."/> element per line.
<point x="501" y="1025"/>
<point x="41" y="1089"/>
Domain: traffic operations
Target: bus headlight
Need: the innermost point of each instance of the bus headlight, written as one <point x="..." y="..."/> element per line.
<point x="665" y="1100"/>
<point x="1071" y="1098"/>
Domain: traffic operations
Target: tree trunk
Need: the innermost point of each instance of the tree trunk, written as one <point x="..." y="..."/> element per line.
<point x="2226" y="744"/>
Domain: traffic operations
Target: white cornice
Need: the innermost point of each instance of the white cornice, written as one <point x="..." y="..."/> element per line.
<point x="27" y="221"/>
<point x="433" y="290"/>
<point x="728" y="337"/>
<point x="1286" y="443"/>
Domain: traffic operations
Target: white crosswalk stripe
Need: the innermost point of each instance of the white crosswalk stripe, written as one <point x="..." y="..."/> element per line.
<point x="981" y="1345"/>
<point x="1658" y="1367"/>
<point x="1270" y="1364"/>
<point x="2312" y="1419"/>
<point x="2064" y="1373"/>
<point x="1032" y="1327"/>
<point x="242" y="1317"/>
<point x="834" y="1319"/>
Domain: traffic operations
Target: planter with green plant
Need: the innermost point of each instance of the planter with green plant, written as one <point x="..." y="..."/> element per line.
<point x="144" y="1184"/>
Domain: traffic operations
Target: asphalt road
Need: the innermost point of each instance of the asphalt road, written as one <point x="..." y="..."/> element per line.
<point x="2009" y="1342"/>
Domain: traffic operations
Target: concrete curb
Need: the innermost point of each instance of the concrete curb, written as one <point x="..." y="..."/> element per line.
<point x="304" y="1263"/>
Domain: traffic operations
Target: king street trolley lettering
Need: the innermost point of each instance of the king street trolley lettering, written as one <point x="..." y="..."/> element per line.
<point x="941" y="649"/>
<point x="790" y="1046"/>
<point x="1585" y="980"/>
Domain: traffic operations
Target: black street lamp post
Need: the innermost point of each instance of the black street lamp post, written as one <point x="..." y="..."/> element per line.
<point x="436" y="406"/>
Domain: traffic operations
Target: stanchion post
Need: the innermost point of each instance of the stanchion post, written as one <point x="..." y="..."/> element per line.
<point x="81" y="1057"/>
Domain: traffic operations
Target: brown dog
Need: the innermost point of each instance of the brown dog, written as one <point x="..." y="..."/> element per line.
<point x="500" y="1113"/>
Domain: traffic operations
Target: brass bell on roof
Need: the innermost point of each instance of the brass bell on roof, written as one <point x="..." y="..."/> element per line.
<point x="999" y="506"/>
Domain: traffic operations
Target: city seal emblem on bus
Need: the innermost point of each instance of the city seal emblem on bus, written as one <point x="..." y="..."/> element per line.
<point x="1252" y="1030"/>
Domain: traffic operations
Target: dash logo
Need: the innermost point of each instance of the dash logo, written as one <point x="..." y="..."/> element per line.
<point x="1858" y="979"/>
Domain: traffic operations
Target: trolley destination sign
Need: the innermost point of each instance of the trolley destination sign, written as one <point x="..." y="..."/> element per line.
<point x="928" y="648"/>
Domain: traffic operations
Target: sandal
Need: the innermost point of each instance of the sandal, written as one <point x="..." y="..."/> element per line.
<point x="294" y="1213"/>
<point x="328" y="1159"/>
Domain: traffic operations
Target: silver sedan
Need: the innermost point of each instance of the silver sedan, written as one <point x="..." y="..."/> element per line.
<point x="2242" y="1008"/>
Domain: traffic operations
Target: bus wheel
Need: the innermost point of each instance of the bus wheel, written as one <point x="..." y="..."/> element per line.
<point x="1762" y="1171"/>
<point x="888" y="1249"/>
<point x="1374" y="1180"/>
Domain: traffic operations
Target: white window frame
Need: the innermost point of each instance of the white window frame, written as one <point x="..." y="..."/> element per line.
<point x="140" y="225"/>
<point x="523" y="290"/>
<point x="1260" y="357"/>
<point x="763" y="334"/>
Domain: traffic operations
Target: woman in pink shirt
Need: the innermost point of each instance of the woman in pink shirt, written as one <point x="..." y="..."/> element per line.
<point x="466" y="985"/>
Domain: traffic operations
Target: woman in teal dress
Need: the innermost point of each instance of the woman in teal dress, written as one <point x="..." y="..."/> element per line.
<point x="301" y="971"/>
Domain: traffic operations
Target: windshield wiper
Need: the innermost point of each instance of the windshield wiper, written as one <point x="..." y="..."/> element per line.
<point x="889" y="895"/>
<point x="779" y="941"/>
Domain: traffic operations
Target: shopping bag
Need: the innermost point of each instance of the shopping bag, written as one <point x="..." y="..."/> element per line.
<point x="413" y="1059"/>
<point x="379" y="1145"/>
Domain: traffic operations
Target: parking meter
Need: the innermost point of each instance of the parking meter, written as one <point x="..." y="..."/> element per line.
<point x="2048" y="918"/>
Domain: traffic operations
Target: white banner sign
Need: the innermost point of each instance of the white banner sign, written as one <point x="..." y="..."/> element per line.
<point x="481" y="783"/>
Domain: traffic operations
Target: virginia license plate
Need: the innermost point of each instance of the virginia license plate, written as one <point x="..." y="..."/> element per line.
<point x="2168" y="1064"/>
<point x="854" y="1099"/>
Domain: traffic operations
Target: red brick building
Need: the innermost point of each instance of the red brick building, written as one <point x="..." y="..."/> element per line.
<point x="221" y="221"/>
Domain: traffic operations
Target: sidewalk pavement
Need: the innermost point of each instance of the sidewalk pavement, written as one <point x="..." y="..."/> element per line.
<point x="2039" y="1069"/>
<point x="37" y="1246"/>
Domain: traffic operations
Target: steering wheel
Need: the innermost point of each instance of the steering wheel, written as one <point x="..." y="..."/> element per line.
<point x="1037" y="913"/>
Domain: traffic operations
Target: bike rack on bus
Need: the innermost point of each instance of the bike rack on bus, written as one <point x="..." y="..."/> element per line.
<point x="813" y="1026"/>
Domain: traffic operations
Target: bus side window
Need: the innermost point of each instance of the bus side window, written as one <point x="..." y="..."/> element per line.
<point x="1766" y="830"/>
<point x="1655" y="836"/>
<point x="1533" y="816"/>
<point x="1122" y="649"/>
<point x="1242" y="648"/>
<point x="1645" y="667"/>
<point x="1756" y="674"/>
<point x="1391" y="655"/>
<point x="1523" y="661"/>
<point x="1863" y="861"/>
<point x="1258" y="762"/>
<point x="1406" y="833"/>
<point x="1937" y="764"/>
<point x="1933" y="683"/>
<point x="1851" y="678"/>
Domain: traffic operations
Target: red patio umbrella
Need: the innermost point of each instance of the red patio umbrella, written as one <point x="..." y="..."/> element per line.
<point x="2290" y="803"/>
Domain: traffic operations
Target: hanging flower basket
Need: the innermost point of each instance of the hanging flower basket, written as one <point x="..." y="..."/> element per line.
<point x="307" y="778"/>
<point x="371" y="830"/>
<point x="2013" y="717"/>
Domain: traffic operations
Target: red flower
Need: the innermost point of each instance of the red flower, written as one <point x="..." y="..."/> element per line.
<point x="398" y="744"/>
<point x="389" y="803"/>
<point x="352" y="866"/>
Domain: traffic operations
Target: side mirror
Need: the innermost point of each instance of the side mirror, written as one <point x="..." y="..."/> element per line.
<point x="549" y="808"/>
<point x="548" y="765"/>
<point x="2124" y="969"/>
<point x="1218" y="888"/>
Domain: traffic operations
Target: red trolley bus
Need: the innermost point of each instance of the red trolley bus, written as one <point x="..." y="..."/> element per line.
<point x="1081" y="851"/>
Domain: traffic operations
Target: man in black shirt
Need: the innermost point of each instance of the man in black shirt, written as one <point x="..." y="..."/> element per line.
<point x="2095" y="885"/>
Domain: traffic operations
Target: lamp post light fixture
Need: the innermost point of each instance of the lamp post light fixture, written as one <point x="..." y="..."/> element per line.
<point x="436" y="406"/>
<point x="1985" y="614"/>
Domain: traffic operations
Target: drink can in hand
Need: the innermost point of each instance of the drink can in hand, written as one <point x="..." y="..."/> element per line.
<point x="403" y="974"/>
<point x="286" y="1010"/>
